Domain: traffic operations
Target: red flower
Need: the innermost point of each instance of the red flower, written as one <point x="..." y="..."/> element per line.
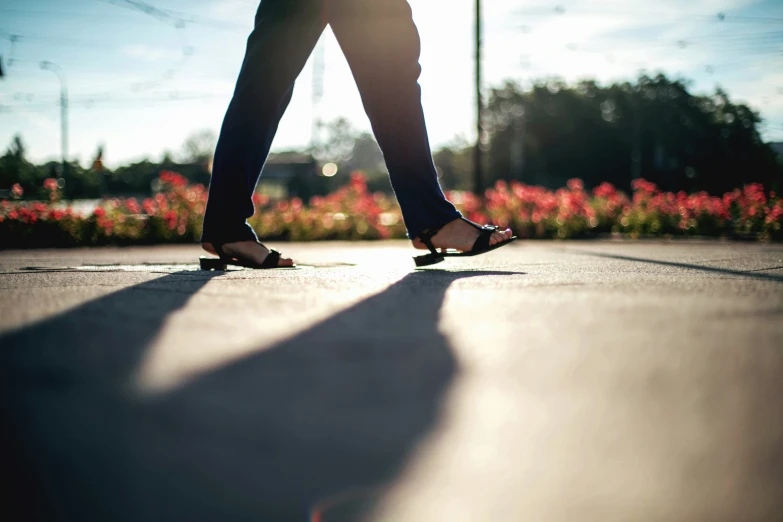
<point x="575" y="184"/>
<point x="170" y="217"/>
<point x="173" y="178"/>
<point x="359" y="181"/>
<point x="605" y="190"/>
<point x="642" y="185"/>
<point x="149" y="206"/>
<point x="50" y="184"/>
<point x="132" y="205"/>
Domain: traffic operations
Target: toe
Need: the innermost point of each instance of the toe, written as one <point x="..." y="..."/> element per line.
<point x="285" y="261"/>
<point x="500" y="236"/>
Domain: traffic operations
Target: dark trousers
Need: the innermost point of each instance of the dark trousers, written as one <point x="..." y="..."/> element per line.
<point x="381" y="44"/>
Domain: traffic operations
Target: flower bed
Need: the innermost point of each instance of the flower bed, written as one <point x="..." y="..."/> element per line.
<point x="349" y="213"/>
<point x="174" y="214"/>
<point x="572" y="212"/>
<point x="171" y="216"/>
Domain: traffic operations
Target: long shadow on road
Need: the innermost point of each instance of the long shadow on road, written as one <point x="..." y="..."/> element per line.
<point x="754" y="274"/>
<point x="340" y="405"/>
<point x="67" y="410"/>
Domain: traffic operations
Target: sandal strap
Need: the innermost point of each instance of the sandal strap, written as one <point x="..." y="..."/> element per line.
<point x="480" y="227"/>
<point x="272" y="259"/>
<point x="219" y="250"/>
<point x="426" y="238"/>
<point x="483" y="241"/>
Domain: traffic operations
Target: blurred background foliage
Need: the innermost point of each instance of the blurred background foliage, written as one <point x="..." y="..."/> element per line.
<point x="653" y="128"/>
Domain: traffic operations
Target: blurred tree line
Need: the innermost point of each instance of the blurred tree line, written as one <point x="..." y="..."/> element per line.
<point x="653" y="128"/>
<point x="95" y="180"/>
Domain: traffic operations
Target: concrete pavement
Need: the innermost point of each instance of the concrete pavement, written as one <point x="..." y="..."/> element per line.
<point x="547" y="381"/>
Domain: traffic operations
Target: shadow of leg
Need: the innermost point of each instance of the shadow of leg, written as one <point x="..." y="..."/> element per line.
<point x="68" y="410"/>
<point x="340" y="405"/>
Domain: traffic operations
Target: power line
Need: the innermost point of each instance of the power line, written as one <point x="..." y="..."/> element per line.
<point x="718" y="18"/>
<point x="178" y="19"/>
<point x="144" y="7"/>
<point x="61" y="14"/>
<point x="738" y="44"/>
<point x="755" y="34"/>
<point x="64" y="41"/>
<point x="173" y="97"/>
<point x="187" y="19"/>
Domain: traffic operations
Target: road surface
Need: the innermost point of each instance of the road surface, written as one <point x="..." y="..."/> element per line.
<point x="547" y="381"/>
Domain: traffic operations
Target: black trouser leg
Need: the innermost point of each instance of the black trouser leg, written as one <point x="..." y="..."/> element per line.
<point x="286" y="31"/>
<point x="382" y="46"/>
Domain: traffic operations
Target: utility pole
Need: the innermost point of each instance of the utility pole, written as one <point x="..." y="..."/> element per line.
<point x="636" y="139"/>
<point x="517" y="147"/>
<point x="319" y="65"/>
<point x="477" y="159"/>
<point x="56" y="69"/>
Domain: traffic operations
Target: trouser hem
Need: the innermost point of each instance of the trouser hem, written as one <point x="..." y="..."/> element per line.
<point x="414" y="233"/>
<point x="246" y="233"/>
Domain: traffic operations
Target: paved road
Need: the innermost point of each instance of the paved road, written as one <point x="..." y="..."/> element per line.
<point x="573" y="381"/>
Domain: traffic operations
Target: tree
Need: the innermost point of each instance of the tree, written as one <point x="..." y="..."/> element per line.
<point x="654" y="128"/>
<point x="353" y="150"/>
<point x="199" y="147"/>
<point x="339" y="145"/>
<point x="454" y="163"/>
<point x="14" y="167"/>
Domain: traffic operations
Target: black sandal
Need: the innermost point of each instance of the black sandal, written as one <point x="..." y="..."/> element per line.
<point x="481" y="245"/>
<point x="221" y="263"/>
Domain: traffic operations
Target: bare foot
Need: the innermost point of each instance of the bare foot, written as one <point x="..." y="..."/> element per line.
<point x="250" y="250"/>
<point x="461" y="236"/>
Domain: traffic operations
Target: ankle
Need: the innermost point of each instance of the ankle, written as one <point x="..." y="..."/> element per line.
<point x="433" y="231"/>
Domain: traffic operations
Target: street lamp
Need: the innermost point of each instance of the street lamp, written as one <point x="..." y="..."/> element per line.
<point x="477" y="163"/>
<point x="56" y="69"/>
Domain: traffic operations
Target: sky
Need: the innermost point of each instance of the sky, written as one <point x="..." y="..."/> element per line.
<point x="140" y="83"/>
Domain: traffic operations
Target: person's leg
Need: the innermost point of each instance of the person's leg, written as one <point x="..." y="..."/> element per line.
<point x="285" y="34"/>
<point x="382" y="46"/>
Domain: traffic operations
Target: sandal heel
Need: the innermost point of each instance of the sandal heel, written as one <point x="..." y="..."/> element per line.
<point x="212" y="263"/>
<point x="427" y="260"/>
